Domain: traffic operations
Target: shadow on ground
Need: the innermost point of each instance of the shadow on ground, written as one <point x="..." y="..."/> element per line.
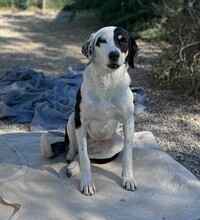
<point x="49" y="43"/>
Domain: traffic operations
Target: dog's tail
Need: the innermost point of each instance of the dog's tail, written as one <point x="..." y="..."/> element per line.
<point x="54" y="149"/>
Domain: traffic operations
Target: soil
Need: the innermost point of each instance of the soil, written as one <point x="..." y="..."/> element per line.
<point x="51" y="43"/>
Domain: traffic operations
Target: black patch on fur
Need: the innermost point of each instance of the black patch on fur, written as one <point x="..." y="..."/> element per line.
<point x="125" y="41"/>
<point x="122" y="39"/>
<point x="77" y="116"/>
<point x="60" y="147"/>
<point x="90" y="51"/>
<point x="85" y="49"/>
<point x="66" y="140"/>
<point x="100" y="41"/>
<point x="133" y="49"/>
<point x="102" y="161"/>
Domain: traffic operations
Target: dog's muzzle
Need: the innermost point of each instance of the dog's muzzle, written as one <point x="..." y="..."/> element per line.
<point x="113" y="58"/>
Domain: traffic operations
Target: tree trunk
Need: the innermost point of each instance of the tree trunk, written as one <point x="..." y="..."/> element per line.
<point x="43" y="6"/>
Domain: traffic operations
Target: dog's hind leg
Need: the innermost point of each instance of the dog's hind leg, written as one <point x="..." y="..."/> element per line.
<point x="73" y="149"/>
<point x="51" y="150"/>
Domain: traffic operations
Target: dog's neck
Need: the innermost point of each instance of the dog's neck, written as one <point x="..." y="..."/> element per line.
<point x="105" y="78"/>
<point x="103" y="82"/>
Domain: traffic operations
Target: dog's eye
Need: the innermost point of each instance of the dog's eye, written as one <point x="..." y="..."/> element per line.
<point x="100" y="40"/>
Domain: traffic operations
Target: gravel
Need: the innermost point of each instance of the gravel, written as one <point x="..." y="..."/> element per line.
<point x="51" y="43"/>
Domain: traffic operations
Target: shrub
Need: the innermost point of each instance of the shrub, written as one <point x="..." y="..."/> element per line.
<point x="5" y="3"/>
<point x="122" y="13"/>
<point x="179" y="66"/>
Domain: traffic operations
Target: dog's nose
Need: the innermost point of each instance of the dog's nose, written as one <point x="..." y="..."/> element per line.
<point x="113" y="55"/>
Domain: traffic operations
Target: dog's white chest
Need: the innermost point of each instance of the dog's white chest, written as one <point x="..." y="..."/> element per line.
<point x="99" y="108"/>
<point x="101" y="117"/>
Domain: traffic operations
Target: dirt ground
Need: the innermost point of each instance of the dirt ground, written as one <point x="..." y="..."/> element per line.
<point x="51" y="43"/>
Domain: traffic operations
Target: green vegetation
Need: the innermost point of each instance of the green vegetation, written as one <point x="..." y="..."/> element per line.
<point x="59" y="4"/>
<point x="5" y="4"/>
<point x="50" y="4"/>
<point x="126" y="13"/>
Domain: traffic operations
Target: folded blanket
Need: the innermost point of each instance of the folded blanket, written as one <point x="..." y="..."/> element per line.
<point x="28" y="96"/>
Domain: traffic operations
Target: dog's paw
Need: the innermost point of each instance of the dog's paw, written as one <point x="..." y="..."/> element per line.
<point x="87" y="186"/>
<point x="128" y="182"/>
<point x="73" y="169"/>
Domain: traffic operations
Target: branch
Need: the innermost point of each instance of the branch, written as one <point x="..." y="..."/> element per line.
<point x="186" y="46"/>
<point x="167" y="7"/>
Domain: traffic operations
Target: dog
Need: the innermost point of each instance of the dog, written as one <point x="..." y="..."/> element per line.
<point x="103" y="102"/>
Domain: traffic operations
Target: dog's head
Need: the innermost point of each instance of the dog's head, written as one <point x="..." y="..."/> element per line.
<point x="112" y="47"/>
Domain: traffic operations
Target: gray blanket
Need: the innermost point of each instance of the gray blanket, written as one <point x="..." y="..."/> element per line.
<point x="28" y="96"/>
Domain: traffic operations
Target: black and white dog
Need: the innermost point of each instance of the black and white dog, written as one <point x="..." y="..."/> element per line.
<point x="103" y="102"/>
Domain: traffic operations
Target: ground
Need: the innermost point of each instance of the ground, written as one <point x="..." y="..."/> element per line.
<point x="51" y="43"/>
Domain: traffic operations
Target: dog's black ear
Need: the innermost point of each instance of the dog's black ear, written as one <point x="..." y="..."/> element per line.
<point x="133" y="49"/>
<point x="87" y="48"/>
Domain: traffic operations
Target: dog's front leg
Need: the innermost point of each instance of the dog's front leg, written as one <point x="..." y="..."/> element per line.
<point x="86" y="184"/>
<point x="128" y="181"/>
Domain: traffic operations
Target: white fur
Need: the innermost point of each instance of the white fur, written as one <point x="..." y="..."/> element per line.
<point x="106" y="101"/>
<point x="45" y="146"/>
<point x="101" y="53"/>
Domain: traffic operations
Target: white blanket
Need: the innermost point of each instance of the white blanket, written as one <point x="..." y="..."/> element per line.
<point x="32" y="187"/>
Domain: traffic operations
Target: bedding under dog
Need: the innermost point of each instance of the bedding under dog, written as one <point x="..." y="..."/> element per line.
<point x="32" y="187"/>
